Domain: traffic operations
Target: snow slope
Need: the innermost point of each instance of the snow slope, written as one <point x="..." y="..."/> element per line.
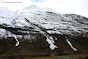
<point x="34" y="20"/>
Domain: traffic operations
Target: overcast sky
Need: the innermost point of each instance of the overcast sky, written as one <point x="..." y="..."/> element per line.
<point x="62" y="6"/>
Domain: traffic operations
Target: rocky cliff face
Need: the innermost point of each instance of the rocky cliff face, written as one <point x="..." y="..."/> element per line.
<point x="42" y="25"/>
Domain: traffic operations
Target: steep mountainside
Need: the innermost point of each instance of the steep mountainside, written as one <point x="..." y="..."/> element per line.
<point x="43" y="28"/>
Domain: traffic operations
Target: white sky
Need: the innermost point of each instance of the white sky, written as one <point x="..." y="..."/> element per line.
<point x="62" y="6"/>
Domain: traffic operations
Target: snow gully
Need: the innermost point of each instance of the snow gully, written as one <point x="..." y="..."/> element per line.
<point x="70" y="44"/>
<point x="17" y="43"/>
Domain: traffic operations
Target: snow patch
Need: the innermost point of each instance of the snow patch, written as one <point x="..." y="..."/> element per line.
<point x="52" y="46"/>
<point x="2" y="32"/>
<point x="55" y="38"/>
<point x="17" y="43"/>
<point x="53" y="32"/>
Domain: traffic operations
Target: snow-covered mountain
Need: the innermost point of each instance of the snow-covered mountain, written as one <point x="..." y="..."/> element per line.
<point x="34" y="21"/>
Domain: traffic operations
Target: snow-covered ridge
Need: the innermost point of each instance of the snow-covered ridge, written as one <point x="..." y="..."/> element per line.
<point x="34" y="20"/>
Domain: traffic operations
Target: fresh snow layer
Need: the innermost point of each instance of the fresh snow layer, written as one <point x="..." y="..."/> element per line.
<point x="45" y="18"/>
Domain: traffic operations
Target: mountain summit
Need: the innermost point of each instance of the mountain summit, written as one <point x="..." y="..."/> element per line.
<point x="33" y="23"/>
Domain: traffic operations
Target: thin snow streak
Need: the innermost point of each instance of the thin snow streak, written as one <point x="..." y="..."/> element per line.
<point x="70" y="44"/>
